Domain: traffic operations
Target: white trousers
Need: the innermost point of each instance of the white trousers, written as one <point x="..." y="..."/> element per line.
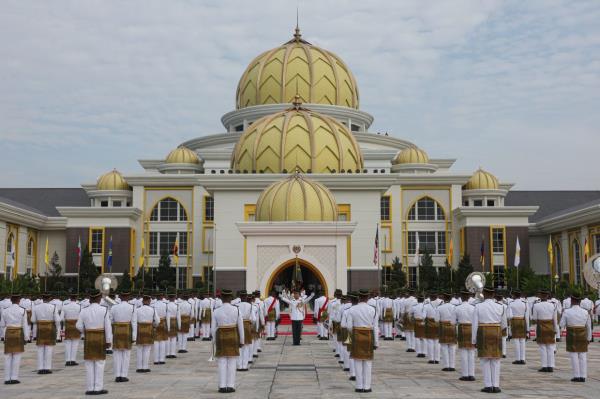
<point x="490" y="369"/>
<point x="71" y="346"/>
<point x="190" y="333"/>
<point x="410" y="339"/>
<point x="205" y="330"/>
<point x="244" y="357"/>
<point x="121" y="362"/>
<point x="346" y="357"/>
<point x="321" y="331"/>
<point x="226" y="371"/>
<point x="143" y="357"/>
<point x="519" y="348"/>
<point x="503" y="346"/>
<point x="467" y="362"/>
<point x="387" y="329"/>
<point x="160" y="351"/>
<point x="44" y="357"/>
<point x="182" y="341"/>
<point x="352" y="368"/>
<point x="94" y="370"/>
<point x="363" y="373"/>
<point x="547" y="354"/>
<point x="172" y="346"/>
<point x="270" y="329"/>
<point x="421" y="346"/>
<point x="448" y="355"/>
<point x="579" y="364"/>
<point x="433" y="349"/>
<point x="12" y="363"/>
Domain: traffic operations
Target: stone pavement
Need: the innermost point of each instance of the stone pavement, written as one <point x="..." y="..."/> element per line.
<point x="308" y="371"/>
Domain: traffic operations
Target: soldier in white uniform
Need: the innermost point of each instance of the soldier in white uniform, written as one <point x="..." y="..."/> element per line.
<point x="47" y="319"/>
<point x="387" y="310"/>
<point x="432" y="328"/>
<point x="320" y="315"/>
<point x="94" y="324"/>
<point x="546" y="316"/>
<point x="578" y="323"/>
<point x="466" y="349"/>
<point x="184" y="322"/>
<point x="518" y="317"/>
<point x="446" y="317"/>
<point x="228" y="331"/>
<point x="489" y="318"/>
<point x="417" y="316"/>
<point x="351" y="300"/>
<point x="272" y="311"/>
<point x="207" y="307"/>
<point x="13" y="330"/>
<point x="297" y="312"/>
<point x="172" y="326"/>
<point x="260" y="323"/>
<point x="69" y="317"/>
<point x="362" y="325"/>
<point x="247" y="315"/>
<point x="408" y="323"/>
<point x="124" y="322"/>
<point x="146" y="320"/>
<point x="27" y="304"/>
<point x="161" y="335"/>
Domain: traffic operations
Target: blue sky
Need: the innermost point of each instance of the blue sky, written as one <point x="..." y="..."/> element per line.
<point x="511" y="86"/>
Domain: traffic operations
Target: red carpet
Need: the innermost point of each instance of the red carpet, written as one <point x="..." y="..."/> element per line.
<point x="286" y="321"/>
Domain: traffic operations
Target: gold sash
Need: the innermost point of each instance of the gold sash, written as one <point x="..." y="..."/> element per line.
<point x="489" y="341"/>
<point x="420" y="328"/>
<point x="447" y="333"/>
<point x="71" y="331"/>
<point x="577" y="339"/>
<point x="272" y="315"/>
<point x="248" y="336"/>
<point x="122" y="336"/>
<point x="185" y="324"/>
<point x="172" y="327"/>
<point x="227" y="341"/>
<point x="388" y="315"/>
<point x="518" y="328"/>
<point x="144" y="334"/>
<point x="407" y="323"/>
<point x="161" y="330"/>
<point x="362" y="343"/>
<point x="344" y="335"/>
<point x="14" y="341"/>
<point x="207" y="316"/>
<point x="94" y="344"/>
<point x="465" y="340"/>
<point x="431" y="328"/>
<point x="545" y="334"/>
<point x="46" y="333"/>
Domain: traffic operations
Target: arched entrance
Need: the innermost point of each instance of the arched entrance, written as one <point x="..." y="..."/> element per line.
<point x="283" y="277"/>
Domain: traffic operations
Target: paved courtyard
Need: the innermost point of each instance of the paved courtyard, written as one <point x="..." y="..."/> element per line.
<point x="308" y="371"/>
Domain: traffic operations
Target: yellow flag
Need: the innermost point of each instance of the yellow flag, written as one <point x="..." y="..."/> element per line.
<point x="176" y="251"/>
<point x="450" y="253"/>
<point x="47" y="254"/>
<point x="143" y="253"/>
<point x="586" y="251"/>
<point x="550" y="251"/>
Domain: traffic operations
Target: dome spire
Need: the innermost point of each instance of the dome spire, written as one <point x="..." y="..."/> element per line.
<point x="297" y="34"/>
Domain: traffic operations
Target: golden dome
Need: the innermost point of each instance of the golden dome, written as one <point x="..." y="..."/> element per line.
<point x="182" y="154"/>
<point x="296" y="199"/>
<point x="112" y="180"/>
<point x="296" y="139"/>
<point x="482" y="180"/>
<point x="411" y="155"/>
<point x="297" y="67"/>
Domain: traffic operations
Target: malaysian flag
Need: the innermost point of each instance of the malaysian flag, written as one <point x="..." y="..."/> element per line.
<point x="376" y="250"/>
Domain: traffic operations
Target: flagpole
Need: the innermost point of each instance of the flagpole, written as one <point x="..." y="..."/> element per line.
<point x="214" y="271"/>
<point x="378" y="261"/>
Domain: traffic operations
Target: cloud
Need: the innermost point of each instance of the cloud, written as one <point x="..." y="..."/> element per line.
<point x="512" y="86"/>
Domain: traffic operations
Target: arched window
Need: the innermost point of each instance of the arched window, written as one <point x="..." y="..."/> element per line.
<point x="577" y="261"/>
<point x="426" y="209"/>
<point x="9" y="243"/>
<point x="168" y="210"/>
<point x="30" y="247"/>
<point x="558" y="260"/>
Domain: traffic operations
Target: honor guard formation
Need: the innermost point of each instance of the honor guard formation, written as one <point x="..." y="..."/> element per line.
<point x="431" y="326"/>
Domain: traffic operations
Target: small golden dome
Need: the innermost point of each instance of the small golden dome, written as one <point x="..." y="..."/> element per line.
<point x="182" y="154"/>
<point x="112" y="180"/>
<point x="482" y="180"/>
<point x="297" y="67"/>
<point x="296" y="139"/>
<point x="411" y="155"/>
<point x="296" y="199"/>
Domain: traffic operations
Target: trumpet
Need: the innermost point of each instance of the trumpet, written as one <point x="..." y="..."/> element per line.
<point x="348" y="340"/>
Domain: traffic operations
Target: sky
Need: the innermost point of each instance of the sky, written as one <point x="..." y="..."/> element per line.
<point x="511" y="86"/>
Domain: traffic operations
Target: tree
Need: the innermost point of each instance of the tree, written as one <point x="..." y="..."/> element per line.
<point x="54" y="273"/>
<point x="462" y="272"/>
<point x="143" y="279"/>
<point x="427" y="273"/>
<point x="165" y="274"/>
<point x="125" y="283"/>
<point x="88" y="272"/>
<point x="397" y="277"/>
<point x="445" y="278"/>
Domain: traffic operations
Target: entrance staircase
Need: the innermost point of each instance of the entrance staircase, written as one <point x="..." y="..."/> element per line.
<point x="285" y="320"/>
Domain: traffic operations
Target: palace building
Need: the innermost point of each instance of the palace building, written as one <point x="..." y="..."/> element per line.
<point x="297" y="178"/>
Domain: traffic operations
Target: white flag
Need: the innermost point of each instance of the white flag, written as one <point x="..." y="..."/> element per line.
<point x="417" y="259"/>
<point x="517" y="253"/>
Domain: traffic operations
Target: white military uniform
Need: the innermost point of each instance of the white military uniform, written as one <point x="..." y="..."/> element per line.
<point x="417" y="313"/>
<point x="45" y="312"/>
<point x="71" y="312"/>
<point x="407" y="306"/>
<point x="13" y="316"/>
<point x="205" y="305"/>
<point x="273" y="302"/>
<point x="160" y="347"/>
<point x="576" y="316"/>
<point x="185" y="309"/>
<point x="518" y="309"/>
<point x="446" y="312"/>
<point x="388" y="327"/>
<point x="246" y="313"/>
<point x="172" y="312"/>
<point x="464" y="315"/>
<point x="320" y="303"/>
<point x="95" y="317"/>
<point x="489" y="312"/>
<point x="259" y="313"/>
<point x="224" y="316"/>
<point x="545" y="310"/>
<point x="145" y="314"/>
<point x="348" y="362"/>
<point x="365" y="316"/>
<point x="123" y="312"/>
<point x="433" y="345"/>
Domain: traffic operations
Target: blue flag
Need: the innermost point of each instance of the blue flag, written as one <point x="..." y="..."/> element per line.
<point x="109" y="261"/>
